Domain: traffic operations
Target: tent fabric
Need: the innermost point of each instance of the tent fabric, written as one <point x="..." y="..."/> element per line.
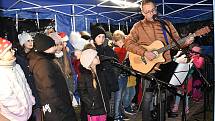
<point x="76" y="15"/>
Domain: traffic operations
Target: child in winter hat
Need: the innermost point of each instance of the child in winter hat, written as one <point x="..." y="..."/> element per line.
<point x="24" y="37"/>
<point x="64" y="39"/>
<point x="16" y="96"/>
<point x="91" y="76"/>
<point x="87" y="57"/>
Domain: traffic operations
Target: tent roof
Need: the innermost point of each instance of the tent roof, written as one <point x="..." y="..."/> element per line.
<point x="175" y="10"/>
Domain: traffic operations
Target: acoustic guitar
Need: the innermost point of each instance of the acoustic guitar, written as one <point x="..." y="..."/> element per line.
<point x="143" y="65"/>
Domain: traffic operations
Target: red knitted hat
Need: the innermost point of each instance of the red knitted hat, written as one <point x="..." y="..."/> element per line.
<point x="63" y="36"/>
<point x="5" y="45"/>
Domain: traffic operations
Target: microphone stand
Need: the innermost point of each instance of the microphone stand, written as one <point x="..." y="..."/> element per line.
<point x="160" y="83"/>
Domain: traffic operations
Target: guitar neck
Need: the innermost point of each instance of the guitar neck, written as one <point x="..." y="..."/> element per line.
<point x="180" y="42"/>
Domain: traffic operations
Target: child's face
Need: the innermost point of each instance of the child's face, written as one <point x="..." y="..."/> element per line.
<point x="100" y="39"/>
<point x="29" y="44"/>
<point x="59" y="46"/>
<point x="9" y="55"/>
<point x="195" y="49"/>
<point x="119" y="43"/>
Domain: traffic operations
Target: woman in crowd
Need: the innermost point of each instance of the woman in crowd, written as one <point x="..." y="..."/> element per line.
<point x="26" y="43"/>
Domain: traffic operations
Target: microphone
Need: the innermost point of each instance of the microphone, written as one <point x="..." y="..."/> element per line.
<point x="155" y="17"/>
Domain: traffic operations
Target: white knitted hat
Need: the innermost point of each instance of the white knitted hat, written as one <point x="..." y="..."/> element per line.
<point x="24" y="37"/>
<point x="76" y="41"/>
<point x="87" y="57"/>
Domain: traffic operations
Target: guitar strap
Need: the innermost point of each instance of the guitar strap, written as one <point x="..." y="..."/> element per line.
<point x="165" y="36"/>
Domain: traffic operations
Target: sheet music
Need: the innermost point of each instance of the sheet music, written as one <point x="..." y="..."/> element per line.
<point x="180" y="73"/>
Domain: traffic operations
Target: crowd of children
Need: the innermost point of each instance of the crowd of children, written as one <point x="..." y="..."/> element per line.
<point x="50" y="70"/>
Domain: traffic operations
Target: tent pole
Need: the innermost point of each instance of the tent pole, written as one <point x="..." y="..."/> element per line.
<point x="109" y="25"/>
<point x="17" y="21"/>
<point x="73" y="12"/>
<point x="163" y="7"/>
<point x="71" y="21"/>
<point x="55" y="20"/>
<point x="97" y="20"/>
<point x="86" y="23"/>
<point x="126" y="23"/>
<point x="214" y="42"/>
<point x="38" y="21"/>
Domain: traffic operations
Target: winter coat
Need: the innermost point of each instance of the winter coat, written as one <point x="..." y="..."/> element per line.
<point x="16" y="99"/>
<point x="22" y="60"/>
<point x="52" y="88"/>
<point x="92" y="97"/>
<point x="111" y="72"/>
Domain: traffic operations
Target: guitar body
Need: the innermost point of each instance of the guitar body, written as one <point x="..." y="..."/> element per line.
<point x="144" y="65"/>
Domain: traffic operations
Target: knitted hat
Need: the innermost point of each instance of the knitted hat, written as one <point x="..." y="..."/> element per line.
<point x="95" y="31"/>
<point x="5" y="45"/>
<point x="24" y="37"/>
<point x="87" y="57"/>
<point x="76" y="41"/>
<point x="63" y="36"/>
<point x="43" y="42"/>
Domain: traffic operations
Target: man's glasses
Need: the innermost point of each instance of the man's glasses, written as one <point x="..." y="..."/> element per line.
<point x="150" y="11"/>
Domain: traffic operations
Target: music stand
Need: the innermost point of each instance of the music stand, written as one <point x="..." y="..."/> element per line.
<point x="178" y="78"/>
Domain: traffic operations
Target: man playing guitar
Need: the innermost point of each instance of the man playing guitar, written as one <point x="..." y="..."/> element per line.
<point x="145" y="32"/>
